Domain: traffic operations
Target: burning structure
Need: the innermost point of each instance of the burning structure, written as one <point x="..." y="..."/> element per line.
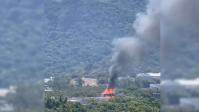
<point x="109" y="93"/>
<point x="129" y="52"/>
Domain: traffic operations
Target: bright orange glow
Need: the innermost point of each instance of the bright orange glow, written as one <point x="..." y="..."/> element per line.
<point x="109" y="93"/>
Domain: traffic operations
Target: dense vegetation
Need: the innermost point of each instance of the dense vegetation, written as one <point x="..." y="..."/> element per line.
<point x="79" y="34"/>
<point x="21" y="40"/>
<point x="137" y="100"/>
<point x="74" y="91"/>
<point x="114" y="105"/>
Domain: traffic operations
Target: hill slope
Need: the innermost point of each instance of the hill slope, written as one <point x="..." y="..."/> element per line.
<point x="79" y="34"/>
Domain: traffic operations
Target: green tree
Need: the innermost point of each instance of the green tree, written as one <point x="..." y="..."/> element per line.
<point x="138" y="82"/>
<point x="79" y="81"/>
<point x="155" y="103"/>
<point x="65" y="99"/>
<point x="60" y="99"/>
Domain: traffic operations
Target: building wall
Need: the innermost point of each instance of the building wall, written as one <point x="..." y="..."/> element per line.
<point x="89" y="82"/>
<point x="190" y="103"/>
<point x="4" y="106"/>
<point x="155" y="86"/>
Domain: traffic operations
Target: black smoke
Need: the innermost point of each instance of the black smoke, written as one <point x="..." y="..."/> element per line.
<point x="129" y="51"/>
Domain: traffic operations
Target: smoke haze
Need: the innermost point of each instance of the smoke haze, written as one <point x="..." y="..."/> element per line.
<point x="129" y="51"/>
<point x="179" y="31"/>
<point x="147" y="25"/>
<point x="179" y="37"/>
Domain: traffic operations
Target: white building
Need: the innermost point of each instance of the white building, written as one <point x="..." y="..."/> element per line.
<point x="4" y="106"/>
<point x="46" y="80"/>
<point x="155" y="86"/>
<point x="47" y="88"/>
<point x="89" y="82"/>
<point x="190" y="103"/>
<point x="121" y="78"/>
<point x="192" y="85"/>
<point x="155" y="75"/>
<point x="5" y="91"/>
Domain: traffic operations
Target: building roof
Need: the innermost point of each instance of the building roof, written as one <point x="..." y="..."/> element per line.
<point x="86" y="100"/>
<point x="154" y="74"/>
<point x="4" y="106"/>
<point x="121" y="78"/>
<point x="194" y="82"/>
<point x="48" y="79"/>
<point x="143" y="75"/>
<point x="169" y="83"/>
<point x="89" y="79"/>
<point x="191" y="101"/>
<point x="5" y="91"/>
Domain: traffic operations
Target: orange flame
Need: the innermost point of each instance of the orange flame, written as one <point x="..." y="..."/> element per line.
<point x="109" y="93"/>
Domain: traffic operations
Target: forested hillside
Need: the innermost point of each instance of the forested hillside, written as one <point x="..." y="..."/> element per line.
<point x="79" y="34"/>
<point x="22" y="54"/>
<point x="21" y="40"/>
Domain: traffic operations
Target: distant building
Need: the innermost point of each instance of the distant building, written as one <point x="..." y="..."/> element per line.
<point x="4" y="106"/>
<point x="47" y="88"/>
<point x="46" y="80"/>
<point x="73" y="82"/>
<point x="144" y="77"/>
<point x="191" y="85"/>
<point x="154" y="75"/>
<point x="156" y="95"/>
<point x="155" y="86"/>
<point x="183" y="86"/>
<point x="5" y="91"/>
<point x="87" y="100"/>
<point x="190" y="103"/>
<point x="168" y="86"/>
<point x="89" y="82"/>
<point x="121" y="78"/>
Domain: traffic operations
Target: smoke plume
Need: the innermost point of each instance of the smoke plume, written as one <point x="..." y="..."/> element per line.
<point x="147" y="25"/>
<point x="126" y="51"/>
<point x="179" y="34"/>
<point x="129" y="51"/>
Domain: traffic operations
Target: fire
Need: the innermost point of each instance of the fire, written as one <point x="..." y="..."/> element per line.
<point x="109" y="93"/>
